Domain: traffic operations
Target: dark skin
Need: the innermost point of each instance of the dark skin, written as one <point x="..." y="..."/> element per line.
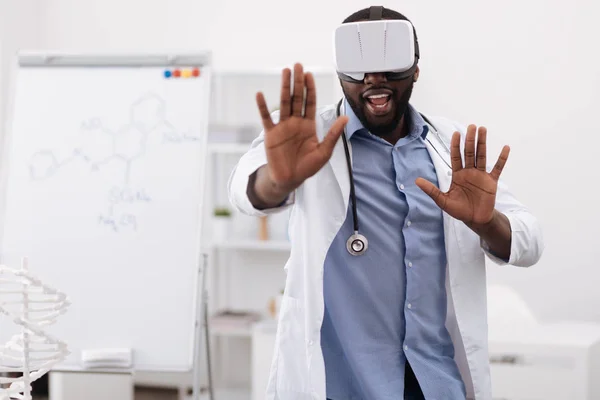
<point x="472" y="194"/>
<point x="294" y="153"/>
<point x="393" y="124"/>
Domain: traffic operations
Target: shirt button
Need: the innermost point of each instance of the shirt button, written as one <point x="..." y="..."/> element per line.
<point x="409" y="305"/>
<point x="310" y="342"/>
<point x="405" y="347"/>
<point x="408" y="223"/>
<point x="409" y="264"/>
<point x="401" y="187"/>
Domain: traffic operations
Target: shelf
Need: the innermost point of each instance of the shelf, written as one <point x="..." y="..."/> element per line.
<point x="234" y="323"/>
<point x="245" y="331"/>
<point x="227" y="394"/>
<point x="264" y="325"/>
<point x="270" y="245"/>
<point x="228" y="148"/>
<point x="272" y="72"/>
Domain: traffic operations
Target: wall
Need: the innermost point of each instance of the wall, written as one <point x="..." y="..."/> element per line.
<point x="526" y="70"/>
<point x="19" y="28"/>
<point x="138" y="25"/>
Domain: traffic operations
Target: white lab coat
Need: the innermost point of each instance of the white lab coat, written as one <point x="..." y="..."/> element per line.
<point x="318" y="210"/>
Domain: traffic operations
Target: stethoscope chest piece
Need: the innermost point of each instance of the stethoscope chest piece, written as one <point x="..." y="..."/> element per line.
<point x="357" y="244"/>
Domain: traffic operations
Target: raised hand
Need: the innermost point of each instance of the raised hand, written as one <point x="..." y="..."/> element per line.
<point x="294" y="153"/>
<point x="472" y="194"/>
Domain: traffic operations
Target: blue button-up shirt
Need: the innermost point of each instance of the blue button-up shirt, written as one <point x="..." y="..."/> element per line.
<point x="388" y="306"/>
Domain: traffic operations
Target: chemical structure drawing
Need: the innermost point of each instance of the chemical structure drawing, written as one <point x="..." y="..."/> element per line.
<point x="124" y="145"/>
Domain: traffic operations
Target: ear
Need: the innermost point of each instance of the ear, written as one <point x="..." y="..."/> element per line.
<point x="416" y="75"/>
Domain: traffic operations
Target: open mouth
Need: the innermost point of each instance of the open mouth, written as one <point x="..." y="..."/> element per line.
<point x="379" y="102"/>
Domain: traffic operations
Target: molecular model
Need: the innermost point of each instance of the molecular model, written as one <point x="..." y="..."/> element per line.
<point x="30" y="354"/>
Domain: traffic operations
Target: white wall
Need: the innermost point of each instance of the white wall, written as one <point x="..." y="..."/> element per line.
<point x="123" y="24"/>
<point x="19" y="28"/>
<point x="529" y="70"/>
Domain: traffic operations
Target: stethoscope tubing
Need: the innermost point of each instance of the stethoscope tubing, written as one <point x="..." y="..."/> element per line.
<point x="357" y="244"/>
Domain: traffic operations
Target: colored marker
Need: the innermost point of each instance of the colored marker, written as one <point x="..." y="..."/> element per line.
<point x="167" y="74"/>
<point x="196" y="72"/>
<point x="186" y="73"/>
<point x="177" y="73"/>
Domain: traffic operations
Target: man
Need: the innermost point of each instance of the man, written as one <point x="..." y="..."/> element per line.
<point x="406" y="318"/>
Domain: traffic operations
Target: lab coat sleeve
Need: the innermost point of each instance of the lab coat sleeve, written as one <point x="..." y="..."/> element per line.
<point x="237" y="184"/>
<point x="527" y="243"/>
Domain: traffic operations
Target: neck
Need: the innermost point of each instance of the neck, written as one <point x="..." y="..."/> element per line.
<point x="400" y="131"/>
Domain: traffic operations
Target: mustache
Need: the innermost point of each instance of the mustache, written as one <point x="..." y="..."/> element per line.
<point x="378" y="87"/>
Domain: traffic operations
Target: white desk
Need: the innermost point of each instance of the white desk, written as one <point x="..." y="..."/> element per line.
<point x="91" y="385"/>
<point x="549" y="362"/>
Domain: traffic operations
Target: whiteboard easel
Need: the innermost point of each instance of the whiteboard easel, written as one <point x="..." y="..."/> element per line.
<point x="115" y="225"/>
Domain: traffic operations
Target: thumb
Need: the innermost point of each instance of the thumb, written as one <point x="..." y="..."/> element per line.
<point x="432" y="191"/>
<point x="328" y="143"/>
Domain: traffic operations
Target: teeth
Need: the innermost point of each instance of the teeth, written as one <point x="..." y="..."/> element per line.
<point x="378" y="96"/>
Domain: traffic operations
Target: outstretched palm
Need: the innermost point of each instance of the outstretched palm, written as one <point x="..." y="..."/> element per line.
<point x="293" y="150"/>
<point x="472" y="194"/>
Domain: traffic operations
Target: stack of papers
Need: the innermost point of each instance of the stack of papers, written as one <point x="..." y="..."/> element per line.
<point x="107" y="358"/>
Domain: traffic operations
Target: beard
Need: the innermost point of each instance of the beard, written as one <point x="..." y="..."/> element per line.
<point x="377" y="125"/>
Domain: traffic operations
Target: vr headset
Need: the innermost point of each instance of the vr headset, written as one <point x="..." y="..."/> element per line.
<point x="376" y="46"/>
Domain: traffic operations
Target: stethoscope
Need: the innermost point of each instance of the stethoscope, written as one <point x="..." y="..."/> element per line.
<point x="357" y="243"/>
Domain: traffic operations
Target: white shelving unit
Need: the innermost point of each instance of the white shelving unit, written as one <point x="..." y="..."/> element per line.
<point x="271" y="245"/>
<point x="227" y="394"/>
<point x="231" y="332"/>
<point x="234" y="266"/>
<point x="245" y="272"/>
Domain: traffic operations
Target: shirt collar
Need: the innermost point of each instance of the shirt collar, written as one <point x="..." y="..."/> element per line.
<point x="418" y="126"/>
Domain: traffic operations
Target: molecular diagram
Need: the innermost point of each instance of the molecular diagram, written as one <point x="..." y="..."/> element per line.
<point x="125" y="145"/>
<point x="30" y="354"/>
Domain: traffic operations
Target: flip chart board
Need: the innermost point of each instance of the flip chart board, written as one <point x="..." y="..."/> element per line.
<point x="105" y="167"/>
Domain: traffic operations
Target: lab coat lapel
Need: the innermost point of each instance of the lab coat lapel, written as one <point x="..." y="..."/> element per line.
<point x="441" y="161"/>
<point x="339" y="166"/>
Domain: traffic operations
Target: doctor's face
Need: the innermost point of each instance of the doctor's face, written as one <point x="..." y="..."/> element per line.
<point x="379" y="103"/>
